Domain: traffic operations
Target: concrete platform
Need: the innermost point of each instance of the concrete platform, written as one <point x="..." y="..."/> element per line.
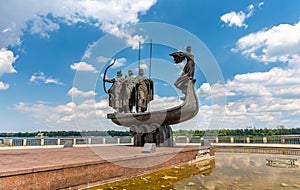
<point x="289" y="146"/>
<point x="59" y="168"/>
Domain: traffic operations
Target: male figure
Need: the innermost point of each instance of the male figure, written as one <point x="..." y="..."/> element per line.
<point x="116" y="92"/>
<point x="130" y="90"/>
<point x="144" y="93"/>
<point x="188" y="70"/>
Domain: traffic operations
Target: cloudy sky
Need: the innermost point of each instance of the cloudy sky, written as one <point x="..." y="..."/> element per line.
<point x="47" y="51"/>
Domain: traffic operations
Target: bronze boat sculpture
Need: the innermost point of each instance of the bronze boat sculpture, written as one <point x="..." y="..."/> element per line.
<point x="178" y="114"/>
<point x="154" y="126"/>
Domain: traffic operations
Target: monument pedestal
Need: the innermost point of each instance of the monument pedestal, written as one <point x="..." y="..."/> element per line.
<point x="160" y="135"/>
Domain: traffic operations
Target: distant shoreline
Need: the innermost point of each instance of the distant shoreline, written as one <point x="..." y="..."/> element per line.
<point x="180" y="132"/>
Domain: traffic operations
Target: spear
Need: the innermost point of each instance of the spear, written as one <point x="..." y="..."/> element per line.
<point x="139" y="63"/>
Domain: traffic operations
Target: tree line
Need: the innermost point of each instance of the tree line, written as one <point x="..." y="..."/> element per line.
<point x="238" y="132"/>
<point x="67" y="133"/>
<point x="221" y="132"/>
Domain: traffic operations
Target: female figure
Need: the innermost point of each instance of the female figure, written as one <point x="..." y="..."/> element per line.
<point x="188" y="70"/>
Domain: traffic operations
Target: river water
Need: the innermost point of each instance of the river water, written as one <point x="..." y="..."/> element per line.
<point x="245" y="171"/>
<point x="228" y="171"/>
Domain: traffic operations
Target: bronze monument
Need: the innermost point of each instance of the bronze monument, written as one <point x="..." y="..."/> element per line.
<point x="130" y="92"/>
<point x="116" y="92"/>
<point x="153" y="126"/>
<point x="188" y="70"/>
<point x="144" y="95"/>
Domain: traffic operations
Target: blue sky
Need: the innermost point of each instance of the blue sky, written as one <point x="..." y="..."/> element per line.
<point x="50" y="52"/>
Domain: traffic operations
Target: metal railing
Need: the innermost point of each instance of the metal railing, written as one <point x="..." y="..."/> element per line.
<point x="129" y="140"/>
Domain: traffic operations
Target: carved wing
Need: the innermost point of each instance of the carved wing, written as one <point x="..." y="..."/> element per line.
<point x="178" y="56"/>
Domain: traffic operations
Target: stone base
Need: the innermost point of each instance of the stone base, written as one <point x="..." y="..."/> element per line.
<point x="160" y="135"/>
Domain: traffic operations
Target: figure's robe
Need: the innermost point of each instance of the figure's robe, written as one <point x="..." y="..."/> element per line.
<point x="129" y="99"/>
<point x="188" y="70"/>
<point x="116" y="93"/>
<point x="144" y="92"/>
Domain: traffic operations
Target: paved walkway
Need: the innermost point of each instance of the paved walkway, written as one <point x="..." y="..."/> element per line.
<point x="14" y="160"/>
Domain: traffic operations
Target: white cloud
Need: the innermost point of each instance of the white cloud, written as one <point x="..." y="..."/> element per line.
<point x="74" y="92"/>
<point x="261" y="4"/>
<point x="43" y="17"/>
<point x="3" y="86"/>
<point x="272" y="97"/>
<point x="6" y="30"/>
<point x="43" y="26"/>
<point x="119" y="62"/>
<point x="83" y="66"/>
<point x="102" y="59"/>
<point x="279" y="43"/>
<point x="88" y="53"/>
<point x="89" y="114"/>
<point x="277" y="82"/>
<point x="213" y="91"/>
<point x="101" y="75"/>
<point x="144" y="66"/>
<point x="86" y="113"/>
<point x="40" y="77"/>
<point x="259" y="111"/>
<point x="7" y="59"/>
<point x="267" y="98"/>
<point x="48" y="114"/>
<point x="160" y="103"/>
<point x="238" y="18"/>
